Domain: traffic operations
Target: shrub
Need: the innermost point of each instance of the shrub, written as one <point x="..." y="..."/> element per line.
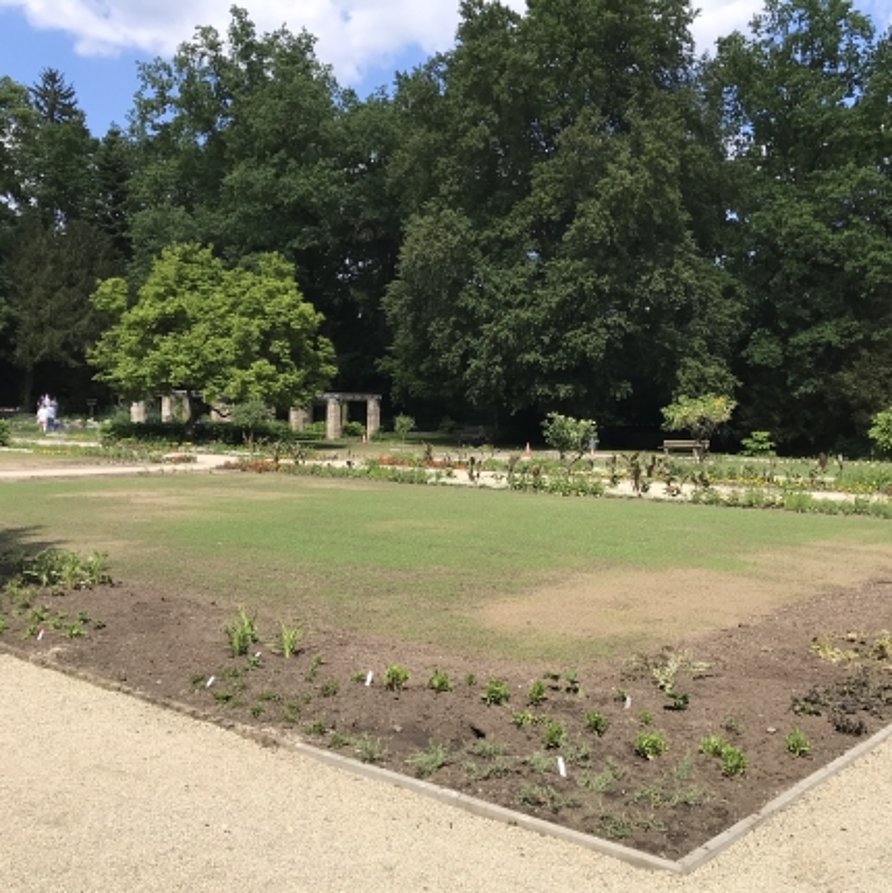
<point x="699" y="415"/>
<point x="797" y="744"/>
<point x="568" y="435"/>
<point x="439" y="681"/>
<point x="495" y="692"/>
<point x="396" y="677"/>
<point x="595" y="722"/>
<point x="354" y="429"/>
<point x="881" y="431"/>
<point x="649" y="744"/>
<point x="5" y="436"/>
<point x="759" y="443"/>
<point x="402" y="425"/>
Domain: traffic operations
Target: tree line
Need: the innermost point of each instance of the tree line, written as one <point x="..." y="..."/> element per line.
<point x="569" y="211"/>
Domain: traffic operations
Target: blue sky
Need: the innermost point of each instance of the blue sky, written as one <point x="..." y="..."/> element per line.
<point x="96" y="44"/>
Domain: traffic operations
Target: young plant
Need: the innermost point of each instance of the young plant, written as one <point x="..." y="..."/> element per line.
<point x="595" y="722"/>
<point x="426" y="762"/>
<point x="396" y="677"/>
<point x="439" y="681"/>
<point x="797" y="744"/>
<point x="495" y="692"/>
<point x="554" y="735"/>
<point x="242" y="633"/>
<point x="369" y="749"/>
<point x="536" y="693"/>
<point x="290" y="638"/>
<point x="649" y="744"/>
<point x="733" y="761"/>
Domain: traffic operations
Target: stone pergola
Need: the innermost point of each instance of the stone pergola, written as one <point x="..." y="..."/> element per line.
<point x="337" y="413"/>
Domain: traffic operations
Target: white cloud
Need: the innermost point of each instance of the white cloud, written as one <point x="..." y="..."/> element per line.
<point x="353" y="35"/>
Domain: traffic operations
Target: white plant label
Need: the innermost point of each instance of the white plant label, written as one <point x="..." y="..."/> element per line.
<point x="369" y="677"/>
<point x="562" y="767"/>
<point x="627" y="703"/>
<point x="210" y="682"/>
<point x="40" y="635"/>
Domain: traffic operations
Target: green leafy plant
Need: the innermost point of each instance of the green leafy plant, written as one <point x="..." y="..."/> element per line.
<point x="439" y="681"/>
<point x="759" y="443"/>
<point x="290" y="638"/>
<point x="567" y="434"/>
<point x="797" y="743"/>
<point x="554" y="735"/>
<point x="242" y="633"/>
<point x="470" y="680"/>
<point x="329" y="688"/>
<point x="426" y="762"/>
<point x="536" y="693"/>
<point x="313" y="669"/>
<point x="713" y="745"/>
<point x="596" y="722"/>
<point x="733" y="761"/>
<point x="369" y="749"/>
<point x="650" y="744"/>
<point x="396" y="677"/>
<point x="402" y="425"/>
<point x="495" y="692"/>
<point x="5" y="433"/>
<point x="880" y="431"/>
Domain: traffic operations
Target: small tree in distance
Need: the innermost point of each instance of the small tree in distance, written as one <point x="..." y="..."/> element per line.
<point x="701" y="416"/>
<point x="881" y="431"/>
<point x="568" y="435"/>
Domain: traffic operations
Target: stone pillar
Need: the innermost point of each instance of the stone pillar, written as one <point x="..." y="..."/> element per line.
<point x="332" y="419"/>
<point x="138" y="412"/>
<point x="373" y="417"/>
<point x="167" y="408"/>
<point x="298" y="417"/>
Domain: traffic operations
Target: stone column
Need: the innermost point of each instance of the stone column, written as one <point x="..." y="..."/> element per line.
<point x="332" y="419"/>
<point x="298" y="417"/>
<point x="373" y="417"/>
<point x="138" y="412"/>
<point x="167" y="408"/>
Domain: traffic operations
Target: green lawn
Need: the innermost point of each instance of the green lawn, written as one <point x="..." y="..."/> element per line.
<point x="397" y="560"/>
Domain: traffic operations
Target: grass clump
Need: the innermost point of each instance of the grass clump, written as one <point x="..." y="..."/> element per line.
<point x="426" y="762"/>
<point x="242" y="633"/>
<point x="797" y="743"/>
<point x="290" y="638"/>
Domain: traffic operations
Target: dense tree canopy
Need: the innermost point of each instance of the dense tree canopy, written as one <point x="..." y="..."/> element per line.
<point x="567" y="212"/>
<point x="223" y="335"/>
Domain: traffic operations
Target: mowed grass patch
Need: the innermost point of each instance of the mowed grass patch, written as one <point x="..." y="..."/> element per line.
<point x="422" y="563"/>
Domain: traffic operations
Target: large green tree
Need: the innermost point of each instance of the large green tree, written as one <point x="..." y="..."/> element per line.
<point x="221" y="335"/>
<point x="806" y="102"/>
<point x="551" y="259"/>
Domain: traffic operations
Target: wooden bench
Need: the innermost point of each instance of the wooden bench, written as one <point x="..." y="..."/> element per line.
<point x="697" y="447"/>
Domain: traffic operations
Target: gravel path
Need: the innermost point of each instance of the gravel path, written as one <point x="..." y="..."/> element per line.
<point x="104" y="792"/>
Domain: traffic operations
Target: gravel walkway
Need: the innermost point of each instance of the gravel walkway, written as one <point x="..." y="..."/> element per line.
<point x="104" y="792"/>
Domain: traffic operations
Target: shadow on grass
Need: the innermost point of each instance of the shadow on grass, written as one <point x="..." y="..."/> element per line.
<point x="16" y="544"/>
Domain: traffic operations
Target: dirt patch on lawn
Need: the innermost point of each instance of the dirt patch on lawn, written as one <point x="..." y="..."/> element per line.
<point x="662" y="605"/>
<point x="820" y="665"/>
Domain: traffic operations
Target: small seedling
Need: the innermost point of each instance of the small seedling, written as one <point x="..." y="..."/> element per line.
<point x="336" y="740"/>
<point x="797" y="744"/>
<point x="290" y="637"/>
<point x="369" y="749"/>
<point x="317" y="728"/>
<point x="426" y="762"/>
<point x="495" y="692"/>
<point x="645" y="718"/>
<point x="677" y="701"/>
<point x="242" y="633"/>
<point x="713" y="745"/>
<point x="733" y="761"/>
<point x="257" y="711"/>
<point x="732" y="725"/>
<point x="439" y="681"/>
<point x="536" y="693"/>
<point x="470" y="680"/>
<point x="396" y="677"/>
<point x="649" y="745"/>
<point x="596" y="723"/>
<point x="572" y="686"/>
<point x="554" y="735"/>
<point x="523" y="718"/>
<point x="313" y="668"/>
<point x="329" y="688"/>
<point x="358" y="676"/>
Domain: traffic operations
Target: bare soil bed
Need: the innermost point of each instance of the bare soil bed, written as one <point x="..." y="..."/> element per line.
<point x="821" y="666"/>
